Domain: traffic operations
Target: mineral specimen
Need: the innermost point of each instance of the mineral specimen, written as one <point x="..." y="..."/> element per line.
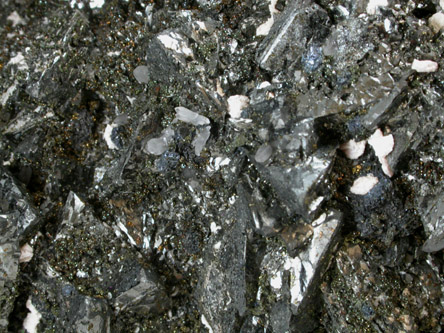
<point x="221" y="166"/>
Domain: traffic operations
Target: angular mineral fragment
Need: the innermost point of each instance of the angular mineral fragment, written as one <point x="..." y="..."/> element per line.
<point x="17" y="219"/>
<point x="75" y="312"/>
<point x="290" y="34"/>
<point x="295" y="279"/>
<point x="298" y="186"/>
<point x="126" y="281"/>
<point x="221" y="291"/>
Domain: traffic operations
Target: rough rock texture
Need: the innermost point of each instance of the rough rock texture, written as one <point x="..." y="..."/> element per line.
<point x="221" y="166"/>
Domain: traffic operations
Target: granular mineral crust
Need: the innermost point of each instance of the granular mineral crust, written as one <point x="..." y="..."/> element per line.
<point x="221" y="166"/>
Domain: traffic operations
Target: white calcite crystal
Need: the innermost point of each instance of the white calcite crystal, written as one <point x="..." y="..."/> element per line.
<point x="364" y="184"/>
<point x="265" y="27"/>
<point x="190" y="117"/>
<point x="32" y="319"/>
<point x="352" y="149"/>
<point x="26" y="253"/>
<point x="373" y="6"/>
<point x="382" y="145"/>
<point x="107" y="136"/>
<point x="424" y="66"/>
<point x="436" y="22"/>
<point x="236" y="104"/>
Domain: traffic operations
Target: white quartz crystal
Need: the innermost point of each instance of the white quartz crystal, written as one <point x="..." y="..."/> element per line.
<point x="107" y="136"/>
<point x="265" y="27"/>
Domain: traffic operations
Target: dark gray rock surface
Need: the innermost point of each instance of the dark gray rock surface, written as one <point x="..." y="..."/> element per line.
<point x="221" y="166"/>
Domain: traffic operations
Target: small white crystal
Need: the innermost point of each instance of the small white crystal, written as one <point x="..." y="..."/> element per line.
<point x="236" y="104"/>
<point x="141" y="74"/>
<point x="265" y="27"/>
<point x="96" y="3"/>
<point x="344" y="11"/>
<point x="107" y="136"/>
<point x="81" y="274"/>
<point x="8" y="93"/>
<point x="373" y="5"/>
<point x="276" y="281"/>
<point x="32" y="319"/>
<point x="436" y="22"/>
<point x="363" y="185"/>
<point x="26" y="253"/>
<point x="176" y="43"/>
<point x="157" y="146"/>
<point x="200" y="140"/>
<point x="18" y="60"/>
<point x="188" y="116"/>
<point x="424" y="66"/>
<point x="263" y="85"/>
<point x="15" y="18"/>
<point x="206" y="324"/>
<point x="382" y="145"/>
<point x="263" y="153"/>
<point x="352" y="149"/>
<point x="387" y="25"/>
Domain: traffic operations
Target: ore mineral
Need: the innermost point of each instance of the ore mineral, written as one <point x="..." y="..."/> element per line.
<point x="221" y="166"/>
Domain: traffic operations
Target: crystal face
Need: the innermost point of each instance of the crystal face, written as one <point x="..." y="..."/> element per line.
<point x="221" y="166"/>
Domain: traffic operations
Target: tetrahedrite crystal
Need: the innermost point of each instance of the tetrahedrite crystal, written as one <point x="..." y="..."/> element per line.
<point x="300" y="186"/>
<point x="221" y="291"/>
<point x="17" y="219"/>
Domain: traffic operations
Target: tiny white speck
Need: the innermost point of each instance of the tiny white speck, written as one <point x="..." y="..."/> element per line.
<point x="382" y="145"/>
